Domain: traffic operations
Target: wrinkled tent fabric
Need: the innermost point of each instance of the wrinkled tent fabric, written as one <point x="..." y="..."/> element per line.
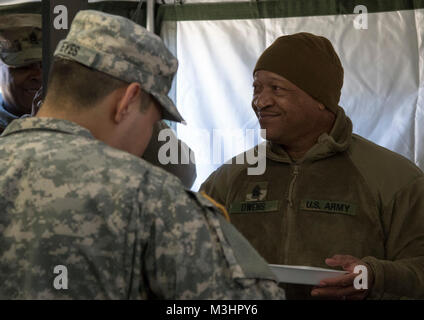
<point x="383" y="84"/>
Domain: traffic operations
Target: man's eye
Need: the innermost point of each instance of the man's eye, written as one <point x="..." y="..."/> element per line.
<point x="277" y="88"/>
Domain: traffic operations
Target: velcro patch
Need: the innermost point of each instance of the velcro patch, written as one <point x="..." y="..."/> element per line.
<point x="328" y="206"/>
<point x="256" y="206"/>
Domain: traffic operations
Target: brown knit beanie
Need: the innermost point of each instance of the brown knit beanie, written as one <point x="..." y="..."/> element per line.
<point x="308" y="61"/>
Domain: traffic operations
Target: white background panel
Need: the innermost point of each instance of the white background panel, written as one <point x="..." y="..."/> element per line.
<point x="383" y="83"/>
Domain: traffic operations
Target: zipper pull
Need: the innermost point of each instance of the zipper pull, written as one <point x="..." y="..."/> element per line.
<point x="290" y="196"/>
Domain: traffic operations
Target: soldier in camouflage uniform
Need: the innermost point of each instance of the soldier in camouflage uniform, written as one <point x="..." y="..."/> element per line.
<point x="20" y="64"/>
<point x="82" y="219"/>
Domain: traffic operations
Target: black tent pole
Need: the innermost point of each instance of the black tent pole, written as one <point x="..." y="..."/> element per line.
<point x="57" y="19"/>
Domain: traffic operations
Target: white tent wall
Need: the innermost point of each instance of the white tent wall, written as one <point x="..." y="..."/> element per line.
<point x="383" y="84"/>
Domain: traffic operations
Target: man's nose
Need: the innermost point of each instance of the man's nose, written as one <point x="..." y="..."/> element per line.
<point x="262" y="100"/>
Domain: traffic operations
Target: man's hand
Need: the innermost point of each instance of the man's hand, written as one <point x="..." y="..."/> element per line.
<point x="342" y="287"/>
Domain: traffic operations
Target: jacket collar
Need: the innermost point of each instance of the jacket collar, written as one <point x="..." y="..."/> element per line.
<point x="46" y="124"/>
<point x="327" y="145"/>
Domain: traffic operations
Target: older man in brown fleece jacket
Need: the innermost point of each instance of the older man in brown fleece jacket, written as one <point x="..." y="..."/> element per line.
<point x="328" y="197"/>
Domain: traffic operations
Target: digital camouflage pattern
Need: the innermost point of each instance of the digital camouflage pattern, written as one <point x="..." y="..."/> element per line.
<point x="20" y="39"/>
<point x="125" y="50"/>
<point x="123" y="228"/>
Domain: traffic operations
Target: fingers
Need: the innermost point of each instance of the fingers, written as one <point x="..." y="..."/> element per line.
<point x="340" y="287"/>
<point x="345" y="261"/>
<point x="341" y="281"/>
<point x="348" y="293"/>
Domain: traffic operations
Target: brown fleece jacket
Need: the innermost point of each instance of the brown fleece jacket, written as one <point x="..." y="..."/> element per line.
<point x="347" y="195"/>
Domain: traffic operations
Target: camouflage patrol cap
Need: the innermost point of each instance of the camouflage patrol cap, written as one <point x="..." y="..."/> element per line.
<point x="125" y="50"/>
<point x="20" y="39"/>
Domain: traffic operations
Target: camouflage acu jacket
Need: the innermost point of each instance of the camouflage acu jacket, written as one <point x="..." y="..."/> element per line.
<point x="82" y="220"/>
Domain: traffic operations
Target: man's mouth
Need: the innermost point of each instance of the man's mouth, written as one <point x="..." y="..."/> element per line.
<point x="267" y="115"/>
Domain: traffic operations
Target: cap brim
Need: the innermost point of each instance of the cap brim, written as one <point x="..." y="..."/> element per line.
<point x="23" y="58"/>
<point x="169" y="110"/>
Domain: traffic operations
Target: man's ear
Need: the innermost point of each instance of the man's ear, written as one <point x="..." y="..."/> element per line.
<point x="129" y="96"/>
